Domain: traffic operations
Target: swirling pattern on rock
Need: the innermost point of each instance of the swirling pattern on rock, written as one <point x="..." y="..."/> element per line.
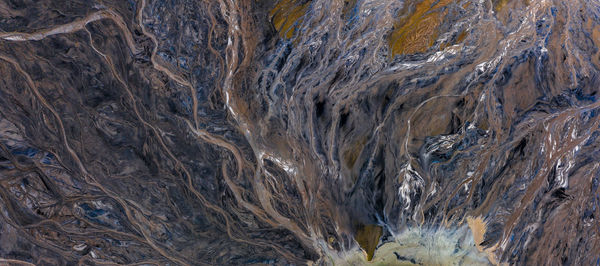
<point x="299" y="131"/>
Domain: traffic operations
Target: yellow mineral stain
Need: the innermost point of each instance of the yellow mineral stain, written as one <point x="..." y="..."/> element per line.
<point x="499" y="4"/>
<point x="417" y="32"/>
<point x="460" y="38"/>
<point x="367" y="237"/>
<point x="286" y="15"/>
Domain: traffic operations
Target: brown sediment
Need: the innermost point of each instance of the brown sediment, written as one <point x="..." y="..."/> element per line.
<point x="459" y="39"/>
<point x="73" y="27"/>
<point x="596" y="39"/>
<point x="165" y="69"/>
<point x="479" y="227"/>
<point x="348" y="6"/>
<point x="367" y="237"/>
<point x="461" y="36"/>
<point x="193" y="132"/>
<point x="351" y="154"/>
<point x="14" y="262"/>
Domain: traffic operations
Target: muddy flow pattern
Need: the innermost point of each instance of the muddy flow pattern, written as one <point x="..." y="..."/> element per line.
<point x="323" y="132"/>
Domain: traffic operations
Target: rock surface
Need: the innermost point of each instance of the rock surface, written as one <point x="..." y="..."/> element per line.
<point x="299" y="132"/>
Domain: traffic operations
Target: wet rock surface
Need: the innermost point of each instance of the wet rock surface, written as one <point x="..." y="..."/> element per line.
<point x="300" y="132"/>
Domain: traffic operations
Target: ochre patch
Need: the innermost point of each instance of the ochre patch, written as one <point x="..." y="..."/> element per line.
<point x="499" y="4"/>
<point x="367" y="237"/>
<point x="286" y="15"/>
<point x="418" y="32"/>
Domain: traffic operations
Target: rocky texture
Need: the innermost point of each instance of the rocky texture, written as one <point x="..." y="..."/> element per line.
<point x="294" y="132"/>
